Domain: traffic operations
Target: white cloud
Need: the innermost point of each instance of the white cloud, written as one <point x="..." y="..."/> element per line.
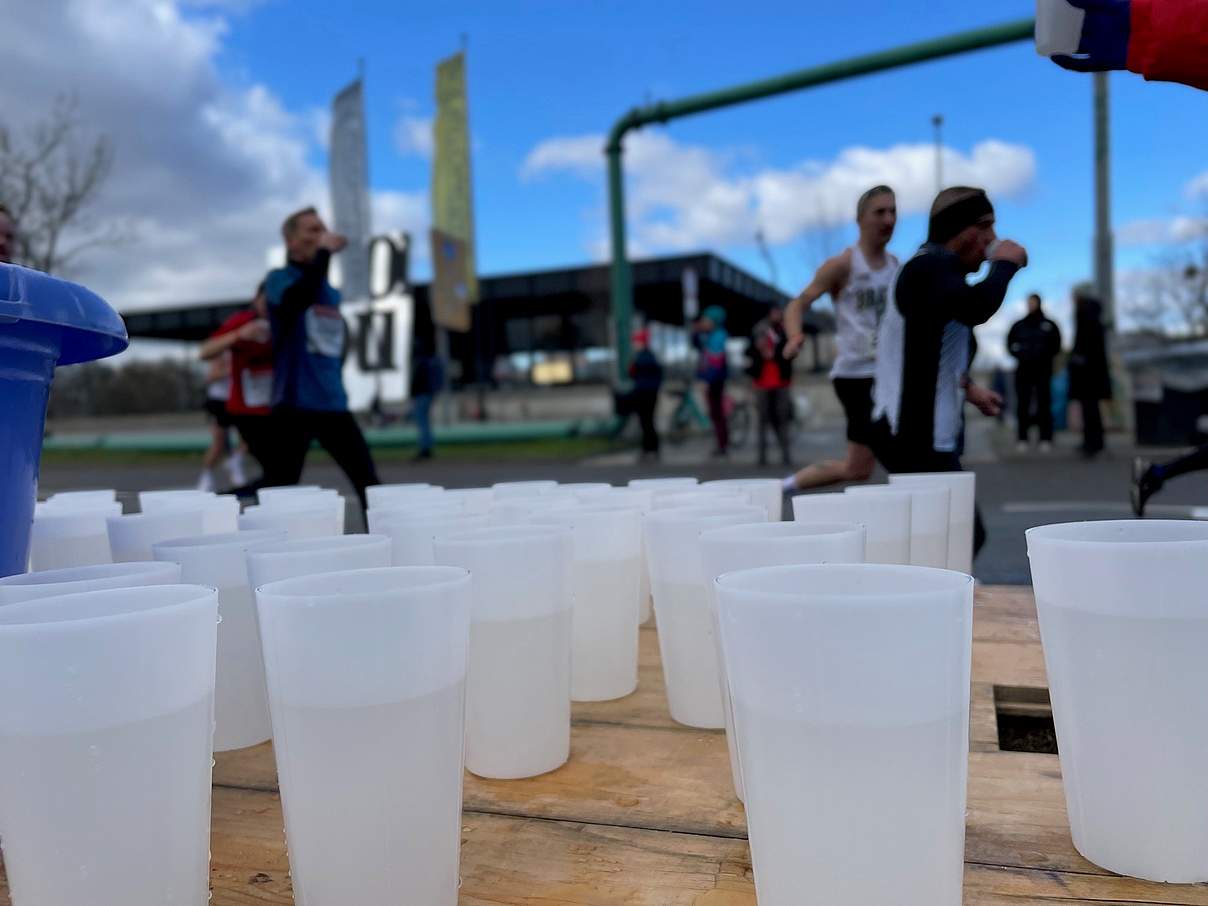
<point x="1162" y="231"/>
<point x="413" y="135"/>
<point x="685" y="196"/>
<point x="1198" y="187"/>
<point x="204" y="170"/>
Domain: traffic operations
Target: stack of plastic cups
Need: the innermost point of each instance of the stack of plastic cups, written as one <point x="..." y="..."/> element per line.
<point x="683" y="483"/>
<point x="1124" y="623"/>
<point x="605" y="581"/>
<point x="929" y="512"/>
<point x="107" y="703"/>
<point x="765" y="492"/>
<point x="370" y="737"/>
<point x="735" y="547"/>
<point x="73" y="534"/>
<point x="683" y="608"/>
<point x="57" y="582"/>
<point x="885" y="517"/>
<point x="240" y="702"/>
<point x="961" y="510"/>
<point x="412" y="534"/>
<point x="276" y="561"/>
<point x="850" y="690"/>
<point x="506" y="490"/>
<point x="131" y="537"/>
<point x="518" y="697"/>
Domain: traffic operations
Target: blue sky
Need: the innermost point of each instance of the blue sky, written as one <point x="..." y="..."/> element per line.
<point x="251" y="79"/>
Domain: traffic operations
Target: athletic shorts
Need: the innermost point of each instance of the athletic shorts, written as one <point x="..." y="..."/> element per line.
<point x="855" y="394"/>
<point x="217" y="410"/>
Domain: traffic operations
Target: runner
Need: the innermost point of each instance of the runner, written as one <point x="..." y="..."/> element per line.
<point x="858" y="280"/>
<point x="218" y="390"/>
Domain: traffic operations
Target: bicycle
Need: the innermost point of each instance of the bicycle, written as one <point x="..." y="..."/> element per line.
<point x="688" y="414"/>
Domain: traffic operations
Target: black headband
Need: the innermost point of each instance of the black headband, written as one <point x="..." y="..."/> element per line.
<point x="957" y="216"/>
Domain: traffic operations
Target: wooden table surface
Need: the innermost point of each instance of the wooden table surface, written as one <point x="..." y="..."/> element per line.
<point x="643" y="815"/>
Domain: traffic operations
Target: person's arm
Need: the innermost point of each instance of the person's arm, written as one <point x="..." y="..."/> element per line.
<point x="1012" y="335"/>
<point x="937" y="290"/>
<point x="304" y="292"/>
<point x="1169" y="41"/>
<point x="830" y="278"/>
<point x="255" y="331"/>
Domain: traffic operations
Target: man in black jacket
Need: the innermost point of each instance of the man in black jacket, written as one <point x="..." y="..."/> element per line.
<point x="1034" y="342"/>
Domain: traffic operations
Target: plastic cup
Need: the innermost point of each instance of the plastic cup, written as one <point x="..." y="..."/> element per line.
<point x="1125" y="625"/>
<point x="850" y="688"/>
<point x="683" y="608"/>
<point x="376" y="518"/>
<point x="106" y="703"/>
<point x="1058" y="27"/>
<point x="518" y="696"/>
<point x="429" y="496"/>
<point x="276" y="561"/>
<point x="220" y="515"/>
<point x="885" y="517"/>
<point x="961" y="512"/>
<point x="57" y="582"/>
<point x="586" y="488"/>
<point x="154" y="500"/>
<point x="605" y="580"/>
<point x="765" y="492"/>
<point x="929" y="509"/>
<point x="643" y="501"/>
<point x="86" y="497"/>
<point x="675" y="499"/>
<point x="474" y="500"/>
<point x="310" y="517"/>
<point x="521" y="510"/>
<point x="662" y="484"/>
<point x="44" y="322"/>
<point x="505" y="490"/>
<point x="411" y="535"/>
<point x="241" y="716"/>
<point x="378" y="494"/>
<point x="370" y="735"/>
<point x="131" y="537"/>
<point x="62" y="539"/>
<point x="735" y="547"/>
<point x="264" y="495"/>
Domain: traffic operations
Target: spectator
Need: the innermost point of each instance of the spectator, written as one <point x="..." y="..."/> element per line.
<point x="710" y="337"/>
<point x="1034" y="342"/>
<point x="772" y="374"/>
<point x="647" y="374"/>
<point x="1090" y="379"/>
<point x="427" y="380"/>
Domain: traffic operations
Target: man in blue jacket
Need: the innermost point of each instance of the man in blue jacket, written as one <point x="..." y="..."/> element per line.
<point x="309" y="401"/>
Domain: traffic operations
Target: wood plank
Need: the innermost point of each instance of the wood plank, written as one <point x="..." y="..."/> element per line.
<point x="983" y="719"/>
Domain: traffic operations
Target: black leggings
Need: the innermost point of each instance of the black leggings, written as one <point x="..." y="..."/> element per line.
<point x="773" y="411"/>
<point x="336" y="432"/>
<point x="715" y="393"/>
<point x="1194" y="461"/>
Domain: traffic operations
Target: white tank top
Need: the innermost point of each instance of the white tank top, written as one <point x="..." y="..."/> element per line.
<point x="858" y="313"/>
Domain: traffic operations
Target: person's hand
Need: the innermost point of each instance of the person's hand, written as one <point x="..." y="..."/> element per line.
<point x="1105" y="34"/>
<point x="793" y="346"/>
<point x="987" y="401"/>
<point x="333" y="242"/>
<point x="257" y="331"/>
<point x="1009" y="250"/>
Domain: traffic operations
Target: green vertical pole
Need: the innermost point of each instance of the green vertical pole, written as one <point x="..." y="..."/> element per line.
<point x="622" y="279"/>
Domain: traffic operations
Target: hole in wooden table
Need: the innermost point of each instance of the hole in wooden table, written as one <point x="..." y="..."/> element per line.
<point x="1025" y="719"/>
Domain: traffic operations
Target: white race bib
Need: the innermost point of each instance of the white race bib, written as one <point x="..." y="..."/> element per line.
<point x="325" y="331"/>
<point x="257" y="387"/>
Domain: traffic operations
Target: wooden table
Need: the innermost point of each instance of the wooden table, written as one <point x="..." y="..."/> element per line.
<point x="642" y="815"/>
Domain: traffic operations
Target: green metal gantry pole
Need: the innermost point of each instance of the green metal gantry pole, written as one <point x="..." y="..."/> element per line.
<point x="663" y="111"/>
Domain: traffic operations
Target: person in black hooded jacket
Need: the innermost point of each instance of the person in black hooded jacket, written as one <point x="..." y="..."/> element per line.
<point x="1034" y="342"/>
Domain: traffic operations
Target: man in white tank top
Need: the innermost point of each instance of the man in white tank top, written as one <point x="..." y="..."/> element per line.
<point x="858" y="280"/>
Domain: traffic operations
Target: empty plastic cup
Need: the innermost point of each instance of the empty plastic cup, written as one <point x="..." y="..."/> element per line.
<point x="643" y="502"/>
<point x="220" y="515"/>
<point x="586" y="488"/>
<point x="418" y="497"/>
<point x="662" y="484"/>
<point x="605" y="579"/>
<point x="152" y="500"/>
<point x="370" y="736"/>
<point x="885" y="517"/>
<point x="376" y="518"/>
<point x="131" y="537"/>
<point x="929" y="509"/>
<point x="505" y="490"/>
<point x="240" y="701"/>
<point x="735" y="547"/>
<point x="667" y="500"/>
<point x="106" y="703"/>
<point x="518" y="697"/>
<point x="56" y="582"/>
<point x="61" y="539"/>
<point x="683" y="608"/>
<point x="411" y="535"/>
<point x="850" y="689"/>
<point x="378" y="494"/>
<point x="73" y="497"/>
<point x="264" y="495"/>
<point x="474" y="500"/>
<point x="275" y="561"/>
<point x="961" y="511"/>
<point x="765" y="492"/>
<point x="1124" y="623"/>
<point x="322" y="517"/>
<point x="44" y="322"/>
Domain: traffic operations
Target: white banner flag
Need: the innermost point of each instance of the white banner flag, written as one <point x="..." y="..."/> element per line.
<point x="349" y="177"/>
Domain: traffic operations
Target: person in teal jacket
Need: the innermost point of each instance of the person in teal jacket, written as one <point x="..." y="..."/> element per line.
<point x="710" y="338"/>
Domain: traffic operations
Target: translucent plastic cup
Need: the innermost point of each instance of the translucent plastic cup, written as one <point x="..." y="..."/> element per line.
<point x="675" y="499"/>
<point x="518" y="697"/>
<point x="683" y="607"/>
<point x="376" y="518"/>
<point x="961" y="510"/>
<point x="265" y="495"/>
<point x="72" y="498"/>
<point x="605" y="581"/>
<point x="131" y="537"/>
<point x="419" y="497"/>
<point x="411" y="535"/>
<point x="735" y="547"/>
<point x="885" y="517"/>
<point x="662" y="484"/>
<point x="643" y="502"/>
<point x="275" y="561"/>
<point x="153" y="500"/>
<point x="1058" y="27"/>
<point x="474" y="500"/>
<point x="370" y="735"/>
<point x="379" y="494"/>
<point x="505" y="490"/>
<point x="521" y="510"/>
<point x="929" y="509"/>
<point x="220" y="515"/>
<point x="62" y="539"/>
<point x="106" y="703"/>
<point x="321" y="517"/>
<point x="57" y="582"/>
<point x="850" y="689"/>
<point x="1124" y="622"/>
<point x="586" y="488"/>
<point x="240" y="701"/>
<point x="765" y="492"/>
